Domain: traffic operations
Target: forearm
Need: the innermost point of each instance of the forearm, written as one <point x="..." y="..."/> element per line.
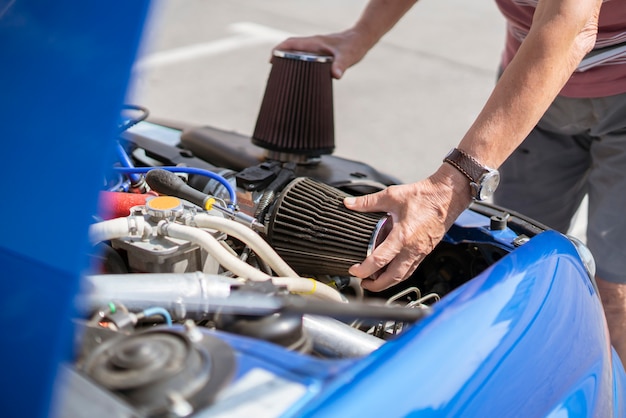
<point x="562" y="32"/>
<point x="545" y="61"/>
<point x="378" y="17"/>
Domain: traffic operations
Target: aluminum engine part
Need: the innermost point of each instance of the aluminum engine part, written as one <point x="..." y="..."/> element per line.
<point x="195" y="296"/>
<point x="184" y="295"/>
<point x="159" y="254"/>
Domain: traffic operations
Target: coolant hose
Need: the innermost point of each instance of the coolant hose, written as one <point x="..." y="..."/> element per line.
<point x="241" y="268"/>
<point x="306" y="286"/>
<point x="250" y="238"/>
<point x="212" y="246"/>
<point x="119" y="228"/>
<point x="118" y="204"/>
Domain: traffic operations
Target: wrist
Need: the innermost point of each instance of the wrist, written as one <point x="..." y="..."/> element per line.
<point x="452" y="180"/>
<point x="450" y="195"/>
<point x="481" y="179"/>
<point x="364" y="36"/>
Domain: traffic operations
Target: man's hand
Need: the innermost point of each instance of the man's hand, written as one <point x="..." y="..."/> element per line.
<point x="421" y="212"/>
<point x="346" y="48"/>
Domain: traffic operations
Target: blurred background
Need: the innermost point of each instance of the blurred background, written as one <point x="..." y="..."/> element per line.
<point x="400" y="109"/>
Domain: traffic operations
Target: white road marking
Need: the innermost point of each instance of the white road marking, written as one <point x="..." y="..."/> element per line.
<point x="246" y="34"/>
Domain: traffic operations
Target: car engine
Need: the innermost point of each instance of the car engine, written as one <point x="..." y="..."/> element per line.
<point x="208" y="239"/>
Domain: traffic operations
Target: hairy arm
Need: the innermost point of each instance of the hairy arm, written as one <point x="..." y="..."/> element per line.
<point x="561" y="33"/>
<point x="350" y="46"/>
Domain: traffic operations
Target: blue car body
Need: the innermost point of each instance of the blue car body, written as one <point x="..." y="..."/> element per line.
<point x="524" y="337"/>
<point x="472" y="356"/>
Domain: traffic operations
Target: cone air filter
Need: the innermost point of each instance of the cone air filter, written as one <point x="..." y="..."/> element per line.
<point x="316" y="234"/>
<point x="296" y="115"/>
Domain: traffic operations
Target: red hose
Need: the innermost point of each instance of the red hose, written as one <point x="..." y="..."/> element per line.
<point x="117" y="204"/>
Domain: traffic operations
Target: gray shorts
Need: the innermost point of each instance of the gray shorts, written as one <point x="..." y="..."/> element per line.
<point x="577" y="149"/>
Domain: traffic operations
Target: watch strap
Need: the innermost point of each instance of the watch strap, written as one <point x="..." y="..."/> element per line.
<point x="466" y="164"/>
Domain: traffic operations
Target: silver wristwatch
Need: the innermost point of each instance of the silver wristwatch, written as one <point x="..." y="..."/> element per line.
<point x="483" y="180"/>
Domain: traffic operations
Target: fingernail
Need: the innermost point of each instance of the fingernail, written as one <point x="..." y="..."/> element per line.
<point x="351" y="269"/>
<point x="349" y="201"/>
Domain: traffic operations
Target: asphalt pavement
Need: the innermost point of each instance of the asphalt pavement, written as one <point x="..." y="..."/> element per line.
<point x="401" y="109"/>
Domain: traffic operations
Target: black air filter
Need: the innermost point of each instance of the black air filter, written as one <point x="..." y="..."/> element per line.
<point x="296" y="115"/>
<point x="316" y="234"/>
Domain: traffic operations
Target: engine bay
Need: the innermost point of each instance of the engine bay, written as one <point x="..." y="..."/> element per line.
<point x="216" y="281"/>
<point x="189" y="253"/>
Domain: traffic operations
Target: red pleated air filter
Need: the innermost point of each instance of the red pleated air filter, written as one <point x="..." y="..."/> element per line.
<point x="296" y="115"/>
<point x="314" y="232"/>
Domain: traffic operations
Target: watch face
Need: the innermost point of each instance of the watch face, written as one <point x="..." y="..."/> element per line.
<point x="488" y="185"/>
